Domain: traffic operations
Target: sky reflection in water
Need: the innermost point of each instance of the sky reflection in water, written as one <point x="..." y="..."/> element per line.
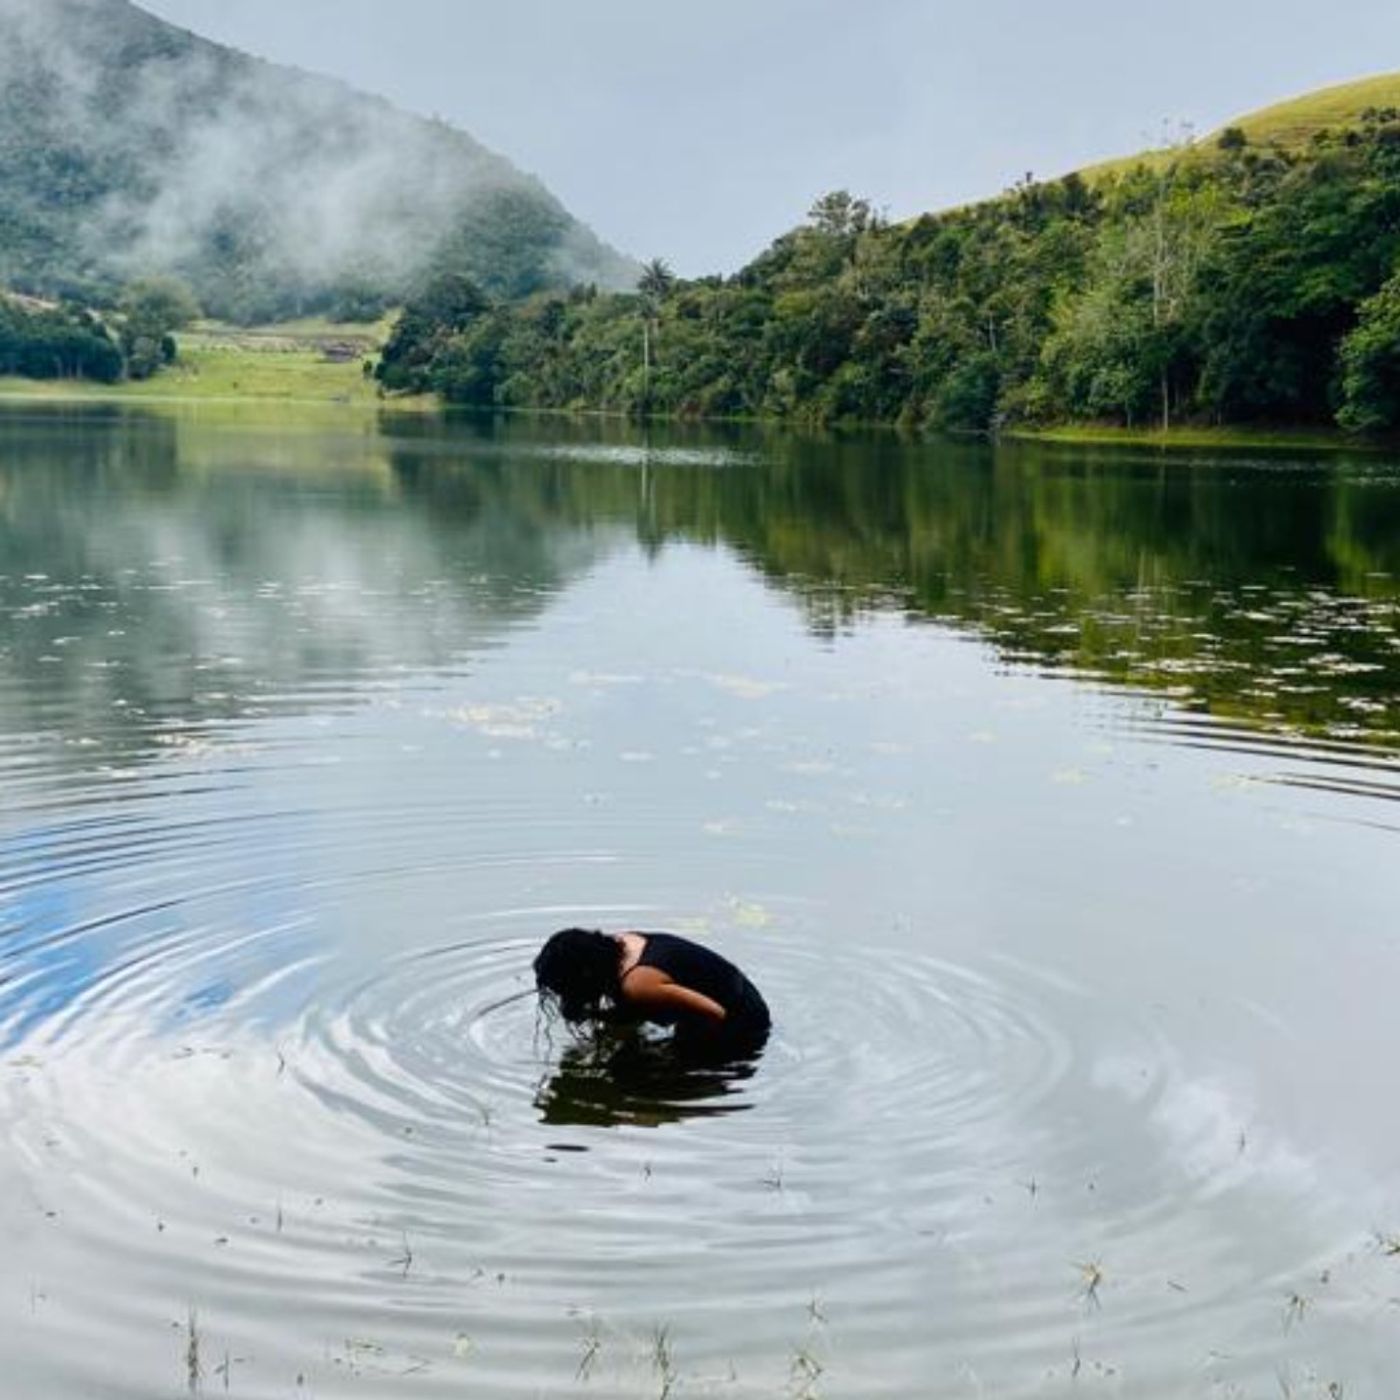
<point x="1049" y="796"/>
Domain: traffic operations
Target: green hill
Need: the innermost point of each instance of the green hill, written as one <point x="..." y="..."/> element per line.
<point x="1288" y="127"/>
<point x="1250" y="281"/>
<point x="130" y="147"/>
<point x="1294" y="123"/>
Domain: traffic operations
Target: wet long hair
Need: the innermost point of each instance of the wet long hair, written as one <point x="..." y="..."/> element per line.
<point x="579" y="968"/>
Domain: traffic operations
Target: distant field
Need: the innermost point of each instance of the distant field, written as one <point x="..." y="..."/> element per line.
<point x="220" y="373"/>
<point x="1288" y="125"/>
<point x="286" y="363"/>
<point x="311" y="334"/>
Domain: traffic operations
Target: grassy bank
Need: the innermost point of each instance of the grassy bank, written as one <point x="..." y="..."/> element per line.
<point x="303" y="362"/>
<point x="1278" y="439"/>
<point x="293" y="376"/>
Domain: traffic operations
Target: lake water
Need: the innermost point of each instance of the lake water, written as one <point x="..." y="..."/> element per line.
<point x="1050" y="796"/>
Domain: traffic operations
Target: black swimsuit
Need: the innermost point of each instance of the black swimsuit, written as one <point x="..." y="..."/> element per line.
<point x="746" y="1023"/>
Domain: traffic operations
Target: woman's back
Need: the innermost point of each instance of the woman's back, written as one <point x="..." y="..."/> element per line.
<point x="705" y="971"/>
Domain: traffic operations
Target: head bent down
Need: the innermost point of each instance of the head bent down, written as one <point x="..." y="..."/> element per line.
<point x="580" y="969"/>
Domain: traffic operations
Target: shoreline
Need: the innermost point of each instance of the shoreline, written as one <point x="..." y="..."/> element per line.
<point x="226" y="377"/>
<point x="1278" y="439"/>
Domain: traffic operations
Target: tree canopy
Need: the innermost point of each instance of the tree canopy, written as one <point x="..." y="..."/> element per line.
<point x="1229" y="283"/>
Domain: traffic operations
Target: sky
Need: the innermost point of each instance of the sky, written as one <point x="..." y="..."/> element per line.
<point x="699" y="130"/>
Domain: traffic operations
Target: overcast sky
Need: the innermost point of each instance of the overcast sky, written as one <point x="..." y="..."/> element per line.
<point x="698" y="130"/>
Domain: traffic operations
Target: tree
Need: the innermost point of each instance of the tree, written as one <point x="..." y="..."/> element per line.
<point x="1225" y="289"/>
<point x="841" y="215"/>
<point x="655" y="285"/>
<point x="1183" y="222"/>
<point x="1101" y="360"/>
<point x="56" y="342"/>
<point x="1371" y="365"/>
<point x="153" y="309"/>
<point x="446" y="306"/>
<point x="657" y="281"/>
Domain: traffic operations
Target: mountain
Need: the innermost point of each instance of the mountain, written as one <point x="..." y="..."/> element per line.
<point x="131" y="147"/>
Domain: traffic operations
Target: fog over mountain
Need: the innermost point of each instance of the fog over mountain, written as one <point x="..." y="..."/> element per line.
<point x="129" y="146"/>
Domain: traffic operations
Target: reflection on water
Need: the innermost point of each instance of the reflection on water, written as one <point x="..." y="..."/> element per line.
<point x="1263" y="592"/>
<point x="1048" y="795"/>
<point x="630" y="1079"/>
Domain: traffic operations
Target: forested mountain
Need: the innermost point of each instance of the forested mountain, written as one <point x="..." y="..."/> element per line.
<point x="129" y="147"/>
<point x="1249" y="278"/>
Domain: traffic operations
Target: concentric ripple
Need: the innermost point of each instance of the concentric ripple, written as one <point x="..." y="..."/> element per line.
<point x="244" y="1123"/>
<point x="1081" y="1048"/>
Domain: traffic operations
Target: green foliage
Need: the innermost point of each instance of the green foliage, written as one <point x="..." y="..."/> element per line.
<point x="841" y="215"/>
<point x="153" y="309"/>
<point x="656" y="281"/>
<point x="59" y="342"/>
<point x="424" y="340"/>
<point x="1371" y="364"/>
<point x="1242" y="291"/>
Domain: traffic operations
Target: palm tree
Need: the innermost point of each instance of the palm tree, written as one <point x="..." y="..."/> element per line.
<point x="656" y="281"/>
<point x="655" y="285"/>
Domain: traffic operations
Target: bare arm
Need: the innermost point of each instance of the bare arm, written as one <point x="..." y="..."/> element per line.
<point x="652" y="993"/>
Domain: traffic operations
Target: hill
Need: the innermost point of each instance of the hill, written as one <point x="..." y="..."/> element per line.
<point x="1287" y="127"/>
<point x="1240" y="282"/>
<point x="131" y="147"/>
<point x="1293" y="123"/>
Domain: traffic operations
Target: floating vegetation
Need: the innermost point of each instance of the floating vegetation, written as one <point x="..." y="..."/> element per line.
<point x="591" y="1345"/>
<point x="194" y="1367"/>
<point x="663" y="1361"/>
<point x="804" y="1374"/>
<point x="1295" y="1310"/>
<point x="1091" y="1281"/>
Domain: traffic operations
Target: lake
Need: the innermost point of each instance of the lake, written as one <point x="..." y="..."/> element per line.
<point x="1050" y="795"/>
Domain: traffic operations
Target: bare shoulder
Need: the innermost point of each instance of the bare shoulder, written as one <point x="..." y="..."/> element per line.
<point x="633" y="946"/>
<point x="642" y="978"/>
<point x="662" y="997"/>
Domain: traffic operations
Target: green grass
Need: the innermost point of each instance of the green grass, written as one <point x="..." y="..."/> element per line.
<point x="219" y="372"/>
<point x="214" y="371"/>
<point x="1189" y="437"/>
<point x="1296" y="122"/>
<point x="286" y="363"/>
<point x="1287" y="125"/>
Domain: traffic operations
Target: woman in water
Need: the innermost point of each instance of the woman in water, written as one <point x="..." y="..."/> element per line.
<point x="717" y="1012"/>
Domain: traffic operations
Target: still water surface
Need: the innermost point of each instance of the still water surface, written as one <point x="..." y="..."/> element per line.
<point x="1049" y="796"/>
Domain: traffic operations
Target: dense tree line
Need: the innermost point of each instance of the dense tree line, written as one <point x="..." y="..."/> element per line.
<point x="56" y="343"/>
<point x="39" y="340"/>
<point x="1221" y="284"/>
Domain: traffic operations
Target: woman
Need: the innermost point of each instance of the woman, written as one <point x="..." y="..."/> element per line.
<point x="716" y="1010"/>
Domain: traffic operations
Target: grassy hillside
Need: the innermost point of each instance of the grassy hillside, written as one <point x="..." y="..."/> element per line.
<point x="1294" y="123"/>
<point x="130" y="147"/>
<point x="1288" y="126"/>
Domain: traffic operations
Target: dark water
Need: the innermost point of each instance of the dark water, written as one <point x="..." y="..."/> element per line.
<point x="1050" y="797"/>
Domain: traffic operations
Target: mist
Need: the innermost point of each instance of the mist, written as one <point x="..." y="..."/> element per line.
<point x="254" y="182"/>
